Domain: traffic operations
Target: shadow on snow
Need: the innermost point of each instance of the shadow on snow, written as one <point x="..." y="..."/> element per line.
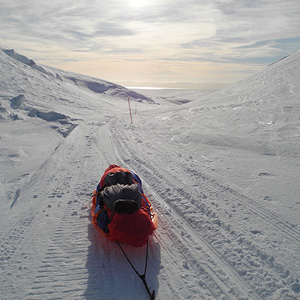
<point x="111" y="276"/>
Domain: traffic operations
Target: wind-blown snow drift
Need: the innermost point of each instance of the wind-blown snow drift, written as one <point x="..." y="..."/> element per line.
<point x="93" y="84"/>
<point x="221" y="170"/>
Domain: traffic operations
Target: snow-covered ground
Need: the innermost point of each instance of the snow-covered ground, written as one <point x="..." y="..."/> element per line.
<point x="221" y="169"/>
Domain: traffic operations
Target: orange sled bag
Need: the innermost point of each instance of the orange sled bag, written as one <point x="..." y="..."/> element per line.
<point x="121" y="211"/>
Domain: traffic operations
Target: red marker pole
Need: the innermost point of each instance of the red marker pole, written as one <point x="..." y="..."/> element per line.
<point x="130" y="110"/>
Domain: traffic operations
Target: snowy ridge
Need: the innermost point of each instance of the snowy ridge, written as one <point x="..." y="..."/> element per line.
<point x="221" y="170"/>
<point x="92" y="84"/>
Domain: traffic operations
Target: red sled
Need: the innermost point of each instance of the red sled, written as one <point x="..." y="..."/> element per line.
<point x="121" y="211"/>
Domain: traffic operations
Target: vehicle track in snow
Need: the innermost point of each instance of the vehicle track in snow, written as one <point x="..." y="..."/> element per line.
<point x="65" y="271"/>
<point x="78" y="263"/>
<point x="72" y="261"/>
<point x="47" y="197"/>
<point x="48" y="248"/>
<point x="284" y="227"/>
<point x="205" y="220"/>
<point x="221" y="281"/>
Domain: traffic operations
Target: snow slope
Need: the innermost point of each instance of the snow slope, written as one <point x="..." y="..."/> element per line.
<point x="221" y="170"/>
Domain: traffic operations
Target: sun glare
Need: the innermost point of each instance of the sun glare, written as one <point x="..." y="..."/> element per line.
<point x="137" y="3"/>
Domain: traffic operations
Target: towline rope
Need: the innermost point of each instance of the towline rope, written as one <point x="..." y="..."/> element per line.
<point x="142" y="276"/>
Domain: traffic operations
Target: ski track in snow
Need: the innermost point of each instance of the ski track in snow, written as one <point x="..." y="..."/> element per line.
<point x="72" y="264"/>
<point x="213" y="242"/>
<point x="62" y="270"/>
<point x="228" y="279"/>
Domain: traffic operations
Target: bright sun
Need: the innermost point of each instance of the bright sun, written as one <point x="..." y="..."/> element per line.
<point x="138" y="3"/>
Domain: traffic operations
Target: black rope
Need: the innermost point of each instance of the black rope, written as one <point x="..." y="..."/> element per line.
<point x="142" y="276"/>
<point x="146" y="262"/>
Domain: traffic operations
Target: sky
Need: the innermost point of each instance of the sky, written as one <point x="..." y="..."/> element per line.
<point x="153" y="41"/>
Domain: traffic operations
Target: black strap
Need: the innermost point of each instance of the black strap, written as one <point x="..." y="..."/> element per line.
<point x="142" y="276"/>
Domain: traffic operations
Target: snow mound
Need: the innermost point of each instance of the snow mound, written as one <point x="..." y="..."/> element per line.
<point x="18" y="102"/>
<point x="92" y="84"/>
<point x="101" y="87"/>
<point x="23" y="59"/>
<point x="18" y="110"/>
<point x="259" y="113"/>
<point x="3" y="112"/>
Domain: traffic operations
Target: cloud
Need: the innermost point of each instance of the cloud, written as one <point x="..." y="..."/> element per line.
<point x="217" y="31"/>
<point x="113" y="30"/>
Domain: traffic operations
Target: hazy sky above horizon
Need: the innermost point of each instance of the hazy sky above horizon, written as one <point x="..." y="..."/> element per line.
<point x="153" y="40"/>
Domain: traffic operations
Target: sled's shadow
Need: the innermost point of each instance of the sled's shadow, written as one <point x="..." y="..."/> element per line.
<point x="110" y="276"/>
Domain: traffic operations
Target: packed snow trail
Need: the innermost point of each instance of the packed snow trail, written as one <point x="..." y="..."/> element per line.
<point x="190" y="255"/>
<point x="200" y="214"/>
<point x="72" y="261"/>
<point x="215" y="240"/>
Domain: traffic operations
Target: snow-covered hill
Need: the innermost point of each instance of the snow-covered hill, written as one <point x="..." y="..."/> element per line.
<point x="248" y="133"/>
<point x="221" y="170"/>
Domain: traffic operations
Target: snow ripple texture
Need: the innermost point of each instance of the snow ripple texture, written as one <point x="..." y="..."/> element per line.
<point x="220" y="169"/>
